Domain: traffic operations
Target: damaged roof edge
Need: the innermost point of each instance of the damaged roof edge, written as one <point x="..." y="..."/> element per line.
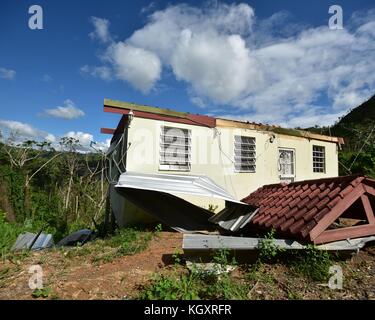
<point x="204" y="120"/>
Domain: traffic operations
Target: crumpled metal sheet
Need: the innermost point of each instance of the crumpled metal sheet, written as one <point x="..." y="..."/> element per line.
<point x="25" y="240"/>
<point x="234" y="217"/>
<point x="162" y="193"/>
<point x="175" y="184"/>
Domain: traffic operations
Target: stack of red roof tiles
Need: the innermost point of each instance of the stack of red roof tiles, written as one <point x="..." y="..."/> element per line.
<point x="305" y="209"/>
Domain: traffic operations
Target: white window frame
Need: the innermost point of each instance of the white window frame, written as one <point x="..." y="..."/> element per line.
<point x="319" y="156"/>
<point x="180" y="146"/>
<point x="239" y="149"/>
<point x="287" y="177"/>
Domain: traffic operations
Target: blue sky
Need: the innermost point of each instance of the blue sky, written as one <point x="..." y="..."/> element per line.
<point x="265" y="61"/>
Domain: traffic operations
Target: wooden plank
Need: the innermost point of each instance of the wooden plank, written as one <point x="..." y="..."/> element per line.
<point x="368" y="209"/>
<point x="339" y="209"/>
<point x="345" y="233"/>
<point x="369" y="190"/>
<point x="143" y="108"/>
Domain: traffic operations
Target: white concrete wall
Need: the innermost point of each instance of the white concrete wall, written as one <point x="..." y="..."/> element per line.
<point x="216" y="162"/>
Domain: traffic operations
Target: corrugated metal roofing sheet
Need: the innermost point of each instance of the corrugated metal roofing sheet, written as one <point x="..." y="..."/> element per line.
<point x="175" y="184"/>
<point x="234" y="217"/>
<point x="25" y="240"/>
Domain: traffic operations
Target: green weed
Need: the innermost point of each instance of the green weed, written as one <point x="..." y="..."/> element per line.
<point x="312" y="263"/>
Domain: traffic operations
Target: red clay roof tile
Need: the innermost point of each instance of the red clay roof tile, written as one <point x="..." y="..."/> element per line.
<point x="296" y="208"/>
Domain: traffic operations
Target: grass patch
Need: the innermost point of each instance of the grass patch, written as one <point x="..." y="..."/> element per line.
<point x="127" y="241"/>
<point x="41" y="293"/>
<point x="130" y="240"/>
<point x="196" y="284"/>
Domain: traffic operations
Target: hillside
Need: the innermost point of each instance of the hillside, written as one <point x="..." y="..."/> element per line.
<point x="360" y="118"/>
<point x="357" y="128"/>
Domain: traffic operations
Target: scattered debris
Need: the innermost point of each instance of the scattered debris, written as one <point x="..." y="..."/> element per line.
<point x="79" y="237"/>
<point x="33" y="241"/>
<point x="209" y="268"/>
<point x="312" y="210"/>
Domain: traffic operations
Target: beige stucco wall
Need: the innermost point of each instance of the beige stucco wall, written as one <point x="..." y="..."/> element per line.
<point x="212" y="151"/>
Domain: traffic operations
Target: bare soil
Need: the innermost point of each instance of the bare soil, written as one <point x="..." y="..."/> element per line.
<point x="81" y="277"/>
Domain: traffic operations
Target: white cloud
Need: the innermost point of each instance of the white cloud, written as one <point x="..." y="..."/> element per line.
<point x="102" y="72"/>
<point x="268" y="69"/>
<point x="68" y="111"/>
<point x="84" y="138"/>
<point x="87" y="142"/>
<point x="25" y="130"/>
<point x="101" y="31"/>
<point x="140" y="67"/>
<point x="218" y="67"/>
<point x="7" y="74"/>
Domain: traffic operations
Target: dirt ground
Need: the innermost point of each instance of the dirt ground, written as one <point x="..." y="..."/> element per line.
<point x="78" y="277"/>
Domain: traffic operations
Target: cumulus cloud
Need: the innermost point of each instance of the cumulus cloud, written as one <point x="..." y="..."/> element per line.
<point x="68" y="111"/>
<point x="101" y="30"/>
<point x="140" y="67"/>
<point x="25" y="130"/>
<point x="273" y="69"/>
<point x="7" y="74"/>
<point x="21" y="131"/>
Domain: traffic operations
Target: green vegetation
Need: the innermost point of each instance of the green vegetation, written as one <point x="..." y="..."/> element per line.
<point x="127" y="241"/>
<point x="196" y="284"/>
<point x="218" y="282"/>
<point x="312" y="263"/>
<point x="268" y="250"/>
<point x="41" y="293"/>
<point x="357" y="127"/>
<point x="41" y="188"/>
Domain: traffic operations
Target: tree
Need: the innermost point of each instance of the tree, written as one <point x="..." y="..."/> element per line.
<point x="22" y="153"/>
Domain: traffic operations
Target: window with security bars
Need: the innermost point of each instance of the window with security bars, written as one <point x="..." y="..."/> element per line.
<point x="244" y="154"/>
<point x="319" y="159"/>
<point x="175" y="149"/>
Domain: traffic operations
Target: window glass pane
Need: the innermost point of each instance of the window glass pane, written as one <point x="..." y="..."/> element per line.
<point x="175" y="149"/>
<point x="319" y="159"/>
<point x="244" y="154"/>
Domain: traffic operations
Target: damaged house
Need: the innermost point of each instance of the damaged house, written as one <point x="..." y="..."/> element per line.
<point x="198" y="173"/>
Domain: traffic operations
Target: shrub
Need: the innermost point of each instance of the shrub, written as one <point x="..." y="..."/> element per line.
<point x="268" y="250"/>
<point x="312" y="263"/>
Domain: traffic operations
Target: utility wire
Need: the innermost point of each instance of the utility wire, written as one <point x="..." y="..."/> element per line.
<point x="360" y="150"/>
